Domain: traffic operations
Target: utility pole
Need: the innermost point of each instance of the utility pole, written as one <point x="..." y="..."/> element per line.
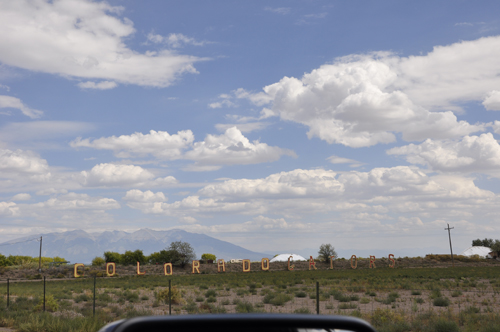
<point x="451" y="249"/>
<point x="40" y="257"/>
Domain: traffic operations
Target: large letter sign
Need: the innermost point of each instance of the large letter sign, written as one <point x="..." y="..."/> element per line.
<point x="312" y="263"/>
<point x="166" y="268"/>
<point x="331" y="262"/>
<point x="391" y="258"/>
<point x="247" y="267"/>
<point x="221" y="265"/>
<point x="264" y="264"/>
<point x="290" y="267"/>
<point x="139" y="273"/>
<point x="196" y="266"/>
<point x="113" y="265"/>
<point x="372" y="261"/>
<point x="75" y="272"/>
<point x="356" y="262"/>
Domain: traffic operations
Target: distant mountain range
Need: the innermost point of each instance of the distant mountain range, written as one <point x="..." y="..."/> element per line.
<point x="81" y="247"/>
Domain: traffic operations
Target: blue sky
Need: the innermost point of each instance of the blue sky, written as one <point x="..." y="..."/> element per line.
<point x="275" y="125"/>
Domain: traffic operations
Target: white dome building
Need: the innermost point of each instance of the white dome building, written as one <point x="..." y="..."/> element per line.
<point x="284" y="258"/>
<point x="480" y="251"/>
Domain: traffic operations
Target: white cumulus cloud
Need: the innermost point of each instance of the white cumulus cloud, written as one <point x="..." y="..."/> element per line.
<point x="105" y="85"/>
<point x="8" y="209"/>
<point x="362" y="100"/>
<point x="158" y="143"/>
<point x="469" y="154"/>
<point x="21" y="197"/>
<point x="232" y="148"/>
<point x="174" y="40"/>
<point x="492" y="101"/>
<point x="73" y="201"/>
<point x="12" y="102"/>
<point x="116" y="175"/>
<point x="22" y="162"/>
<point x="136" y="195"/>
<point x="370" y="196"/>
<point x="351" y="102"/>
<point x="84" y="39"/>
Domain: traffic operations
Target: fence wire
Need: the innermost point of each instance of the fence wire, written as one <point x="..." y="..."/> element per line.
<point x="132" y="296"/>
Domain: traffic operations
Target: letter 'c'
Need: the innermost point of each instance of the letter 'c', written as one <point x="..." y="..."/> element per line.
<point x="264" y="264"/>
<point x="113" y="265"/>
<point x="77" y="265"/>
<point x="166" y="267"/>
<point x="196" y="266"/>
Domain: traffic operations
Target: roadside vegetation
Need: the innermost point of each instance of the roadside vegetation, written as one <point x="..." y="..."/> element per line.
<point x="426" y="299"/>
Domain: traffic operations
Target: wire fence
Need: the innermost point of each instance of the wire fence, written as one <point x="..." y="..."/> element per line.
<point x="86" y="296"/>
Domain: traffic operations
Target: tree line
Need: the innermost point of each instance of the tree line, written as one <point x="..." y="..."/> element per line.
<point x="17" y="260"/>
<point x="178" y="253"/>
<point x="494" y="245"/>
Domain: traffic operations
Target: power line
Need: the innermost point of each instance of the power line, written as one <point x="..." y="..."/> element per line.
<point x="8" y="244"/>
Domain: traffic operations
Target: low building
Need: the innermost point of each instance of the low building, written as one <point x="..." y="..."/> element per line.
<point x="284" y="258"/>
<point x="483" y="252"/>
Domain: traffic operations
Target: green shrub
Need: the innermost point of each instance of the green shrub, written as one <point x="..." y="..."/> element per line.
<point x="302" y="311"/>
<point x="441" y="302"/>
<point x="208" y="257"/>
<point x="382" y="317"/>
<point x="277" y="299"/>
<point x="82" y="297"/>
<point x="435" y="293"/>
<point x="416" y="292"/>
<point x="210" y="293"/>
<point x="348" y="306"/>
<point x="444" y="325"/>
<point x="300" y="294"/>
<point x="50" y="304"/>
<point x="191" y="308"/>
<point x="456" y="293"/>
<point x="472" y="310"/>
<point x="244" y="307"/>
<point x="163" y="295"/>
<point x="98" y="261"/>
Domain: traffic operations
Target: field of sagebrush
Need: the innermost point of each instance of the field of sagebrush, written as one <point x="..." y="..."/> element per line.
<point x="400" y="299"/>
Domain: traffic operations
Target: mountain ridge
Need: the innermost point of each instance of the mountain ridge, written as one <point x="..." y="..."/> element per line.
<point x="81" y="246"/>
